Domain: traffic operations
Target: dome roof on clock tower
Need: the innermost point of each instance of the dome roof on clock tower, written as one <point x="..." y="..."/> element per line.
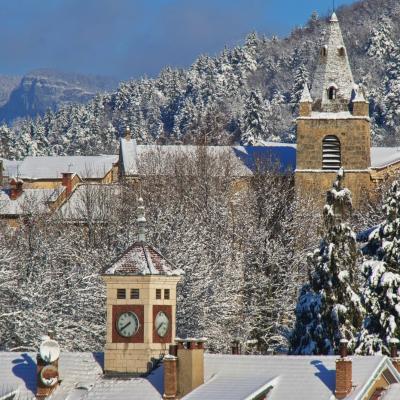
<point x="141" y="258"/>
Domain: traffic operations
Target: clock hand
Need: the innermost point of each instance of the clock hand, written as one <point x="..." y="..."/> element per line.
<point x="125" y="326"/>
<point x="159" y="326"/>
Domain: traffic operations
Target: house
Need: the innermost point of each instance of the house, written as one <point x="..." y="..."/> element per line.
<point x="45" y="172"/>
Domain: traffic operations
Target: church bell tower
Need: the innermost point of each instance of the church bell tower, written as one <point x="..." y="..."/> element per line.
<point x="333" y="128"/>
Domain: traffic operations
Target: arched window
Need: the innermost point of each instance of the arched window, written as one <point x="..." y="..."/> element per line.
<point x="324" y="51"/>
<point x="332" y="93"/>
<point x="331" y="158"/>
<point x="342" y="51"/>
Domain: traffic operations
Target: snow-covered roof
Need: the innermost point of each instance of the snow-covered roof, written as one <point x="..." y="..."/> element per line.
<point x="10" y="167"/>
<point x="226" y="377"/>
<point x="51" y="167"/>
<point x="384" y="156"/>
<point x="244" y="160"/>
<point x="30" y="200"/>
<point x="128" y="156"/>
<point x="286" y="377"/>
<point x="82" y="378"/>
<point x="90" y="200"/>
<point x="142" y="259"/>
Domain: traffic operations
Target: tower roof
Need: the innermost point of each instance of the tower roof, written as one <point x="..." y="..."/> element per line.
<point x="141" y="259"/>
<point x="333" y="71"/>
<point x="306" y="96"/>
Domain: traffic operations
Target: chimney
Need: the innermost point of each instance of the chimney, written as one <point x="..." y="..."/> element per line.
<point x="47" y="368"/>
<point x="344" y="372"/>
<point x="235" y="345"/>
<point x="171" y="374"/>
<point x="394" y="355"/>
<point x="16" y="188"/>
<point x="190" y="364"/>
<point x="67" y="182"/>
<point x="127" y="134"/>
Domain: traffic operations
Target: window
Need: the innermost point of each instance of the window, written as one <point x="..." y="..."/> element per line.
<point x="324" y="51"/>
<point x="332" y="93"/>
<point x="342" y="51"/>
<point x="135" y="294"/>
<point x="121" y="293"/>
<point x="166" y="294"/>
<point x="158" y="294"/>
<point x="331" y="158"/>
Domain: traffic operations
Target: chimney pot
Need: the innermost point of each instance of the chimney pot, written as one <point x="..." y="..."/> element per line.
<point x="170" y="377"/>
<point x="343" y="348"/>
<point x="173" y="350"/>
<point x="235" y="345"/>
<point x="393" y="343"/>
<point x="67" y="182"/>
<point x="16" y="188"/>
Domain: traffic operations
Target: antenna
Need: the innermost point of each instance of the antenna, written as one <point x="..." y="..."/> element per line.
<point x="333" y="5"/>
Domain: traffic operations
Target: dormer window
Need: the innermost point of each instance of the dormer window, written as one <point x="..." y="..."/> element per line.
<point x="332" y="91"/>
<point x="342" y="51"/>
<point x="324" y="51"/>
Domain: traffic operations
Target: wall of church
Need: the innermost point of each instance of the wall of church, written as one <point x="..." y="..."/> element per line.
<point x="316" y="184"/>
<point x="353" y="133"/>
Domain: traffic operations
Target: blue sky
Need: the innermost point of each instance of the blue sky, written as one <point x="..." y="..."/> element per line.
<point x="130" y="38"/>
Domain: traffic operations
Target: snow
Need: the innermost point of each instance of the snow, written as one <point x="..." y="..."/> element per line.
<point x="51" y="167"/>
<point x="128" y="156"/>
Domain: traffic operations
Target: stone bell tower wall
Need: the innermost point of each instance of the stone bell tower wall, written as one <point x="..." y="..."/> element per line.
<point x="352" y="132"/>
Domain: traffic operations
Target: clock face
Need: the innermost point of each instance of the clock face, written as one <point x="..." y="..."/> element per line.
<point x="127" y="324"/>
<point x="161" y="324"/>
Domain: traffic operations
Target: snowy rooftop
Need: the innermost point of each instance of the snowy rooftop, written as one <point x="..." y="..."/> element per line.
<point x="30" y="200"/>
<point x="226" y="377"/>
<point x="384" y="156"/>
<point x="51" y="167"/>
<point x="243" y="160"/>
<point x="82" y="378"/>
<point x="90" y="200"/>
<point x="128" y="156"/>
<point x="141" y="259"/>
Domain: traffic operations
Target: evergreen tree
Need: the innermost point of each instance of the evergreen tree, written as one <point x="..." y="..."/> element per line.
<point x="381" y="44"/>
<point x="254" y="119"/>
<point x="329" y="308"/>
<point x="381" y="293"/>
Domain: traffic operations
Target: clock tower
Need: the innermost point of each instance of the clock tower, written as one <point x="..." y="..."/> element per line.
<point x="141" y="306"/>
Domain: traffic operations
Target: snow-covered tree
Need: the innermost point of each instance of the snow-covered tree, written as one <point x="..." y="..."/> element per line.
<point x="329" y="307"/>
<point x="254" y="119"/>
<point x="381" y="292"/>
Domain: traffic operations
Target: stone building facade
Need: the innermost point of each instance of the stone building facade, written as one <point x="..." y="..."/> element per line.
<point x="333" y="128"/>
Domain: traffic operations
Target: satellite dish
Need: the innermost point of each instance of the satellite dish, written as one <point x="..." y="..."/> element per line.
<point x="49" y="351"/>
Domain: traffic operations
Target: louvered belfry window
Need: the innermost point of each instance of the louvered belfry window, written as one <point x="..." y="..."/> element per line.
<point x="331" y="153"/>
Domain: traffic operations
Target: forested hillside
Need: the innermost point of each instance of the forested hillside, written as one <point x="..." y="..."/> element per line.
<point x="248" y="93"/>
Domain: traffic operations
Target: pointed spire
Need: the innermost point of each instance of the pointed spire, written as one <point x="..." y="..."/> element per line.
<point x="359" y="94"/>
<point x="333" y="82"/>
<point x="141" y="221"/>
<point x="306" y="96"/>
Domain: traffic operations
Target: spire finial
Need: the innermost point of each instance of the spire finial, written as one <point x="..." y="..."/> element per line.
<point x="141" y="221"/>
